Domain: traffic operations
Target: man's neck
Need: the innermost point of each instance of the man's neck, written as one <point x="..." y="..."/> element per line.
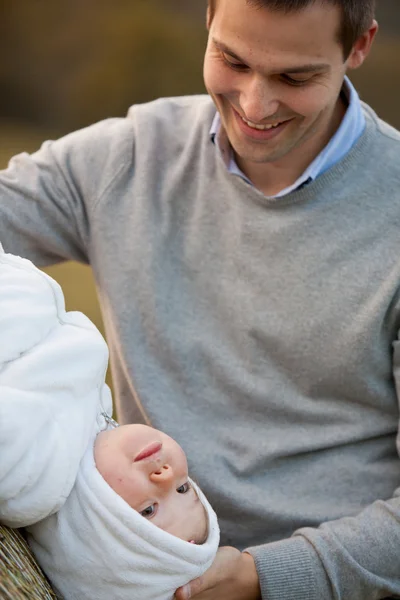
<point x="272" y="178"/>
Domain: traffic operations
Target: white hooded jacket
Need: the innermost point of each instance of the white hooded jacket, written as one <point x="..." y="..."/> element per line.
<point x="52" y="373"/>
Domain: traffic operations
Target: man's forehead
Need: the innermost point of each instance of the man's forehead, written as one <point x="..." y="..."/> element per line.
<point x="312" y="14"/>
<point x="291" y="40"/>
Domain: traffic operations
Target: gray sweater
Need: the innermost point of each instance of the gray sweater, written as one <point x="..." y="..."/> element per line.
<point x="261" y="334"/>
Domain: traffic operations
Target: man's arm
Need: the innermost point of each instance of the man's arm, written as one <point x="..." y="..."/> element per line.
<point x="47" y="199"/>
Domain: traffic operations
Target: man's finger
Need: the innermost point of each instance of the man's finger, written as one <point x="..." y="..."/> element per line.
<point x="183" y="593"/>
<point x="191" y="589"/>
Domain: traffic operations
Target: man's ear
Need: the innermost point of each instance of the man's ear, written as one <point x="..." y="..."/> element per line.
<point x="362" y="47"/>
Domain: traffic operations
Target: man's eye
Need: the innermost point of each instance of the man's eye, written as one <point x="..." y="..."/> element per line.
<point x="237" y="66"/>
<point x="149" y="512"/>
<point x="183" y="488"/>
<point x="293" y="81"/>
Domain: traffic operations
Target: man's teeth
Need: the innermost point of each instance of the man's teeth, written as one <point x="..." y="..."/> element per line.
<point x="261" y="127"/>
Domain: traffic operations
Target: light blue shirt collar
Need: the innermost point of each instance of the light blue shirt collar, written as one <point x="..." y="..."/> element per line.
<point x="349" y="131"/>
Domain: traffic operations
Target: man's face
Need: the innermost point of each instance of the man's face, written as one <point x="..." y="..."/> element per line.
<point x="148" y="469"/>
<point x="275" y="79"/>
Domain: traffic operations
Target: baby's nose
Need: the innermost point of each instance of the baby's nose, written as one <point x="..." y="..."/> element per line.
<point x="162" y="474"/>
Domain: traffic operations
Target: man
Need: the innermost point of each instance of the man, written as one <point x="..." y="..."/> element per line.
<point x="248" y="272"/>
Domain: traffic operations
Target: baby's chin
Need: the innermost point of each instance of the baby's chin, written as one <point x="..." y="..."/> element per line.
<point x="198" y="541"/>
<point x="198" y="538"/>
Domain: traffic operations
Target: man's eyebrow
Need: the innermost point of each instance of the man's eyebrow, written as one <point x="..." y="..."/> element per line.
<point x="311" y="68"/>
<point x="308" y="68"/>
<point x="221" y="46"/>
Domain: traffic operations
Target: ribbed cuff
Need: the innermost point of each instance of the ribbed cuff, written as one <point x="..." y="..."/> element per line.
<point x="290" y="570"/>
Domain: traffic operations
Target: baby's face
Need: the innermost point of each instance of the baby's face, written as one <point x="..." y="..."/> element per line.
<point x="148" y="469"/>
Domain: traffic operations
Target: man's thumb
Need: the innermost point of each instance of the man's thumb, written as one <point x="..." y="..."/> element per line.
<point x="190" y="589"/>
<point x="184" y="592"/>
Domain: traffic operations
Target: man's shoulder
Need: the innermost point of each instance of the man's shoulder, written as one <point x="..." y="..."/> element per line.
<point x="171" y="113"/>
<point x="384" y="130"/>
<point x="175" y="112"/>
<point x="377" y="154"/>
<point x="102" y="154"/>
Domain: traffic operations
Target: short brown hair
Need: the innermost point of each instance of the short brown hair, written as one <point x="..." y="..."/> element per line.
<point x="357" y="15"/>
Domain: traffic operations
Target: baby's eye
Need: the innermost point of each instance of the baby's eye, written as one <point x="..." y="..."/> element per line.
<point x="149" y="512"/>
<point x="183" y="488"/>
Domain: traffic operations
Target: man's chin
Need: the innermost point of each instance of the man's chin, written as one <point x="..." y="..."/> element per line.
<point x="258" y="155"/>
<point x="244" y="158"/>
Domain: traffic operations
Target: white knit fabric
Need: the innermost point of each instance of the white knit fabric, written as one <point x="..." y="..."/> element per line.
<point x="98" y="548"/>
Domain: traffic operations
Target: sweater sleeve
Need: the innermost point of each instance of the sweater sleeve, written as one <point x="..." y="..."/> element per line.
<point x="353" y="558"/>
<point x="52" y="370"/>
<point x="47" y="198"/>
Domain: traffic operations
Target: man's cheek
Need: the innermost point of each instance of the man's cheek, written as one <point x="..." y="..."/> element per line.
<point x="215" y="78"/>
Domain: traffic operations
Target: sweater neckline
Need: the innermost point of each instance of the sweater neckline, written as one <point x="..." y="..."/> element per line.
<point x="320" y="184"/>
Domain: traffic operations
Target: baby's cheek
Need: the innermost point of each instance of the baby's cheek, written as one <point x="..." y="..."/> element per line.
<point x="109" y="470"/>
<point x="123" y="485"/>
<point x="116" y="471"/>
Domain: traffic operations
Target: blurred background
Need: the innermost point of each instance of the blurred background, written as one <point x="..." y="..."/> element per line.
<point x="68" y="64"/>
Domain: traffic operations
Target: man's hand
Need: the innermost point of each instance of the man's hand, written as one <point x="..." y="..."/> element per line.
<point x="232" y="576"/>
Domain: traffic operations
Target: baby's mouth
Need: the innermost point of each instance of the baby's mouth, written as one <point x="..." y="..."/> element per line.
<point x="148" y="451"/>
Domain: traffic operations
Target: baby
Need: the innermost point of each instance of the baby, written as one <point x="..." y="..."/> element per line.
<point x="110" y="512"/>
<point x="134" y="525"/>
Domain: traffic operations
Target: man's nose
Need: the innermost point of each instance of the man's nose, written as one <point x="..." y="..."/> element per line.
<point x="162" y="475"/>
<point x="257" y="99"/>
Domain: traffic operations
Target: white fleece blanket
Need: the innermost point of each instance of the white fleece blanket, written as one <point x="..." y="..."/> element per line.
<point x="98" y="548"/>
<point x="52" y="369"/>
